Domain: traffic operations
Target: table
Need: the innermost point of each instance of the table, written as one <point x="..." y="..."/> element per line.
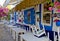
<point x="27" y="27"/>
<point x="31" y="37"/>
<point x="9" y="27"/>
<point x="1" y="22"/>
<point x="16" y="32"/>
<point x="24" y="24"/>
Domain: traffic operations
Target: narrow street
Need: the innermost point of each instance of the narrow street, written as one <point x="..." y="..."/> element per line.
<point x="4" y="34"/>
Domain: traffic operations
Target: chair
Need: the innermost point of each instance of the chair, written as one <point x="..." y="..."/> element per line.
<point x="38" y="33"/>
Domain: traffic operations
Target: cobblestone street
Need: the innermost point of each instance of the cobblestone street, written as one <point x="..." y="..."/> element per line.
<point x="4" y="34"/>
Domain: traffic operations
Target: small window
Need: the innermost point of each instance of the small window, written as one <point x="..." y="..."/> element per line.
<point x="46" y="18"/>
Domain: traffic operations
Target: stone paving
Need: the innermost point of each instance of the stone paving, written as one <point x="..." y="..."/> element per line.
<point x="5" y="35"/>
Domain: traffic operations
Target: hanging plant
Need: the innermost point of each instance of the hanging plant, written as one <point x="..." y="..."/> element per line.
<point x="8" y="16"/>
<point x="52" y="4"/>
<point x="58" y="10"/>
<point x="50" y="8"/>
<point x="48" y="1"/>
<point x="56" y="4"/>
<point x="3" y="11"/>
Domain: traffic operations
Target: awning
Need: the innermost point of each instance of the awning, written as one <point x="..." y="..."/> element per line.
<point x="11" y="2"/>
<point x="28" y="3"/>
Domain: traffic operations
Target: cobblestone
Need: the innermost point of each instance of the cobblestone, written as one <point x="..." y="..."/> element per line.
<point x="5" y="35"/>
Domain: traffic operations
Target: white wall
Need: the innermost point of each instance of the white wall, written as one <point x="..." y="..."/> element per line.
<point x="37" y="16"/>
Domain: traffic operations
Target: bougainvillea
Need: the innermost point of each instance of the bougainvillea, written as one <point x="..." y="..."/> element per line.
<point x="3" y="11"/>
<point x="56" y="5"/>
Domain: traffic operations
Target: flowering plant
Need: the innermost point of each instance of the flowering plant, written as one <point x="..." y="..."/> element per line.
<point x="3" y="11"/>
<point x="56" y="5"/>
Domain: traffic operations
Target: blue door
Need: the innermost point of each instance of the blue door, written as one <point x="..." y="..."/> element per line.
<point x="32" y="16"/>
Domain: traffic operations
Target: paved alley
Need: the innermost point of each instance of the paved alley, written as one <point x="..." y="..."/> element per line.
<point x="4" y="34"/>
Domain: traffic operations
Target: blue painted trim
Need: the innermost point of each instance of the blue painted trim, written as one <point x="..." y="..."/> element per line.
<point x="52" y="20"/>
<point x="49" y="28"/>
<point x="52" y="0"/>
<point x="40" y="12"/>
<point x="25" y="14"/>
<point x="52" y="17"/>
<point x="15" y="17"/>
<point x="40" y="9"/>
<point x="31" y="16"/>
<point x="51" y="34"/>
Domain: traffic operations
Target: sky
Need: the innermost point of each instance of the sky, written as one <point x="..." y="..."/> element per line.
<point x="2" y="2"/>
<point x="7" y="1"/>
<point x="9" y="6"/>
